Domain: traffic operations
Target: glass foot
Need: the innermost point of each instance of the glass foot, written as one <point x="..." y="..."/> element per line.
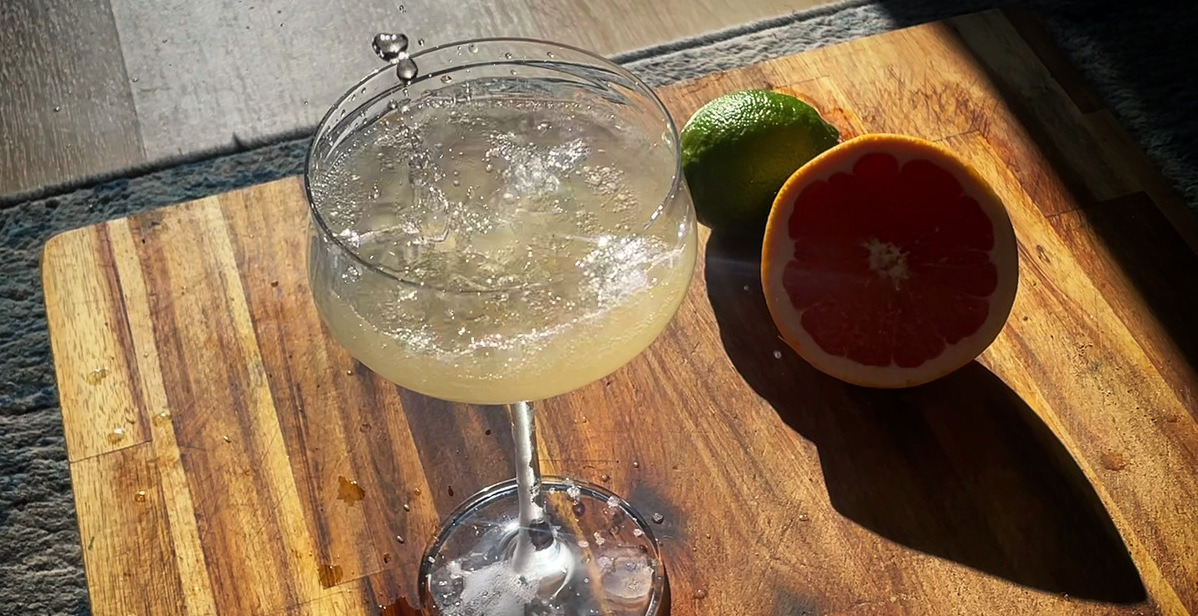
<point x="595" y="557"/>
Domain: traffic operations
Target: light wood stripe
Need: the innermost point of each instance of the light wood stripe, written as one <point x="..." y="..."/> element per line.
<point x="188" y="551"/>
<point x="270" y="454"/>
<point x="128" y="552"/>
<point x="99" y="395"/>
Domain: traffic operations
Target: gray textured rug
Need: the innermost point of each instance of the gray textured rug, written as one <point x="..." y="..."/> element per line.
<point x="1140" y="61"/>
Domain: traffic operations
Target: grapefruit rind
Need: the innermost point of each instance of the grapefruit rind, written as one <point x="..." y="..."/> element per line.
<point x="778" y="249"/>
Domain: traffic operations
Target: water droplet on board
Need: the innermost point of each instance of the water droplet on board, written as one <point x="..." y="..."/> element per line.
<point x="1114" y="461"/>
<point x="804" y="517"/>
<point x="701" y="594"/>
<point x="605" y="477"/>
<point x="140" y="496"/>
<point x="117" y="435"/>
<point x="473" y="48"/>
<point x="420" y="42"/>
<point x="658" y="518"/>
<point x="400" y="538"/>
<point x="349" y="491"/>
<point x="636" y="464"/>
<point x="95" y="376"/>
<point x="162" y="418"/>
<point x="446" y="78"/>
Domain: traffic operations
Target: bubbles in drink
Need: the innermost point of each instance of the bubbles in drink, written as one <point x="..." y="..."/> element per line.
<point x="520" y="228"/>
<point x="573" y="492"/>
<point x="626" y="574"/>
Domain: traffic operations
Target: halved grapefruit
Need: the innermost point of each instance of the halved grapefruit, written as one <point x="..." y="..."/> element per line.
<point x="889" y="262"/>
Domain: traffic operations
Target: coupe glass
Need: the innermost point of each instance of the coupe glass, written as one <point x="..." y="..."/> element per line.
<point x="506" y="225"/>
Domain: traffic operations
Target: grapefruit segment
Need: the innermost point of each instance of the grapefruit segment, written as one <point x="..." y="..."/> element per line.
<point x="888" y="262"/>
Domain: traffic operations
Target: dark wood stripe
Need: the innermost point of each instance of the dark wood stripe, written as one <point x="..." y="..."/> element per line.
<point x="210" y="401"/>
<point x="140" y="431"/>
<point x="463" y="448"/>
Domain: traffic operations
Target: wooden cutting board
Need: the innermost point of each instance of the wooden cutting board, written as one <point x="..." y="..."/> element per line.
<point x="211" y="421"/>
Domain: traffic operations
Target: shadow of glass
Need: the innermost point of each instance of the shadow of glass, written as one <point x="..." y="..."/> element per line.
<point x="960" y="468"/>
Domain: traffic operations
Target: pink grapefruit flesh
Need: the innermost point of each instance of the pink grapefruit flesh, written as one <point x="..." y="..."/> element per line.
<point x="889" y="262"/>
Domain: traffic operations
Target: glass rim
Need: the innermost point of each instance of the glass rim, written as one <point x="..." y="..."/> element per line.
<point x="327" y="120"/>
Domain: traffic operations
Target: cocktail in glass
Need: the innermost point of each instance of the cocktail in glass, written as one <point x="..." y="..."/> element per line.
<point x="504" y="224"/>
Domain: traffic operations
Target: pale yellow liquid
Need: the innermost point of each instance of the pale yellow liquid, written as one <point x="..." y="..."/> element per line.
<point x="545" y="263"/>
<point x="551" y="361"/>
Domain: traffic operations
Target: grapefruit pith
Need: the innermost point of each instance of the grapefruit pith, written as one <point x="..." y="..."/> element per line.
<point x="888" y="262"/>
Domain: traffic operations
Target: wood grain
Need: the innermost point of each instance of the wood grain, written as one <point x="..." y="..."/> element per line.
<point x="1054" y="475"/>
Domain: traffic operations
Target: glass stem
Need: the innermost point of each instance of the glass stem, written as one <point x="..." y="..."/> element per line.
<point x="535" y="531"/>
